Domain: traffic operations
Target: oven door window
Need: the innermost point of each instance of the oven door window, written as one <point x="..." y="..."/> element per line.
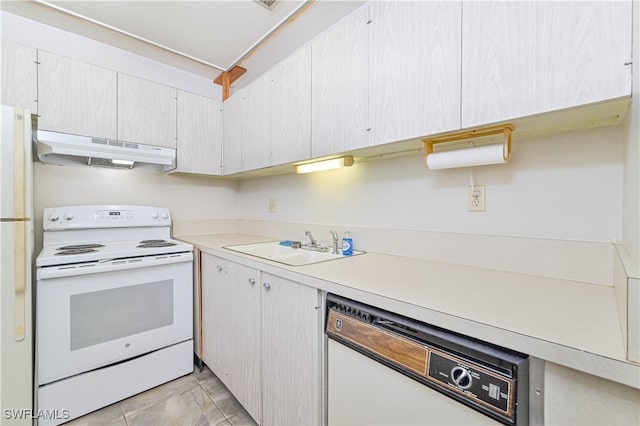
<point x="106" y="315"/>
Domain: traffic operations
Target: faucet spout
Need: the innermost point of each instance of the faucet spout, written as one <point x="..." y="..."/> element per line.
<point x="312" y="241"/>
<point x="334" y="236"/>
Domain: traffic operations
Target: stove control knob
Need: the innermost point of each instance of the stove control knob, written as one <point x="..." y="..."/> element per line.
<point x="461" y="377"/>
<point x="165" y="214"/>
<point x="68" y="216"/>
<point x="53" y="217"/>
<point x="154" y="215"/>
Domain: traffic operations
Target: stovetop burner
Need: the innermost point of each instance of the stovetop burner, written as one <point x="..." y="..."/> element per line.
<point x="81" y="247"/>
<point x="155" y="243"/>
<point x="62" y="252"/>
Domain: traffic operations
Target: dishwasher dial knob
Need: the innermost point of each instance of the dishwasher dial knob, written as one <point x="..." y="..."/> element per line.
<point x="155" y="215"/>
<point x="165" y="215"/>
<point x="461" y="377"/>
<point x="53" y="217"/>
<point x="68" y="216"/>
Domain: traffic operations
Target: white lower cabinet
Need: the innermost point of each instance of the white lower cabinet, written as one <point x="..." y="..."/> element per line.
<point x="261" y="336"/>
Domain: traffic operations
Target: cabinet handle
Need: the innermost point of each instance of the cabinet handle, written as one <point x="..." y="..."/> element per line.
<point x="267" y="286"/>
<point x="252" y="281"/>
<point x="219" y="268"/>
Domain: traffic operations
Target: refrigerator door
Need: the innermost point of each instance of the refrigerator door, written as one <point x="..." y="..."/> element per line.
<point x="16" y="363"/>
<point x="16" y="251"/>
<point x="16" y="171"/>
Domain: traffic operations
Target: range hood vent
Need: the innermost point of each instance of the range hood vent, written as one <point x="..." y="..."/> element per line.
<point x="66" y="149"/>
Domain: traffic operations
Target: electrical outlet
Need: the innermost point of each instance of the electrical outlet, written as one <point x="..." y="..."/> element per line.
<point x="476" y="198"/>
<point x="272" y="205"/>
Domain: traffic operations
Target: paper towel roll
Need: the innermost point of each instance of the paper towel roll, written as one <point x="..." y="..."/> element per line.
<point x="478" y="156"/>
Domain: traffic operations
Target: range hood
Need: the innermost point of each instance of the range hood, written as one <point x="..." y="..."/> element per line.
<point x="67" y="149"/>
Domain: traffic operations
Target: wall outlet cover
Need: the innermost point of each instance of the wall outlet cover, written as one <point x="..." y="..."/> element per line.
<point x="476" y="198"/>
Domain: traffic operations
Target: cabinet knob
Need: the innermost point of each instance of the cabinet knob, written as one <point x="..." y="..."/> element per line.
<point x="267" y="286"/>
<point x="252" y="281"/>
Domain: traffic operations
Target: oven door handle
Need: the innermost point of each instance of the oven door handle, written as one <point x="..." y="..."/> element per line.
<point x="52" y="272"/>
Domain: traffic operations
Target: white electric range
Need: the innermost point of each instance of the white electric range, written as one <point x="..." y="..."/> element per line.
<point x="113" y="307"/>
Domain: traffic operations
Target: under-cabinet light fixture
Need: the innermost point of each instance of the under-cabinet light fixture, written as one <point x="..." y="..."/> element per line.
<point x="334" y="163"/>
<point x="123" y="162"/>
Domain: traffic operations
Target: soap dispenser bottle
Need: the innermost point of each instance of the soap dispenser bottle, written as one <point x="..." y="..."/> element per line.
<point x="347" y="244"/>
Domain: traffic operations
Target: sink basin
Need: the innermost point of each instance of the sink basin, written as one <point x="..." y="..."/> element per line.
<point x="287" y="255"/>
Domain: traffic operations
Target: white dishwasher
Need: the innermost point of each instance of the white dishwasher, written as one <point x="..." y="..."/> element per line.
<point x="386" y="369"/>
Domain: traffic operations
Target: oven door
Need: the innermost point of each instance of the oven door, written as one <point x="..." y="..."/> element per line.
<point x="90" y="316"/>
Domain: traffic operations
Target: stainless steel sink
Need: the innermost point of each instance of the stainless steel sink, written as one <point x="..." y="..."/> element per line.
<point x="288" y="255"/>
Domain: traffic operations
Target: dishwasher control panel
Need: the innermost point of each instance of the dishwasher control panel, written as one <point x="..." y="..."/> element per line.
<point x="477" y="384"/>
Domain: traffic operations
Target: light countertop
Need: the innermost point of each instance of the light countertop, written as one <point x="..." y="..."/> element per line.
<point x="566" y="322"/>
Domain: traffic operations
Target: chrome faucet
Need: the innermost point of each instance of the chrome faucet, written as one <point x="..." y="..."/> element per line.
<point x="312" y="241"/>
<point x="334" y="235"/>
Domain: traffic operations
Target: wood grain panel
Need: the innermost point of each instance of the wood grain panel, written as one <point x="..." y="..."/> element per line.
<point x="290" y="107"/>
<point x="75" y="97"/>
<point x="232" y="134"/>
<point x="524" y="58"/>
<point x="340" y="86"/>
<point x="19" y="76"/>
<point x="199" y="144"/>
<point x="256" y="119"/>
<point x="290" y="344"/>
<point x="146" y="112"/>
<point x="217" y="322"/>
<point x="415" y="69"/>
<point x="390" y="346"/>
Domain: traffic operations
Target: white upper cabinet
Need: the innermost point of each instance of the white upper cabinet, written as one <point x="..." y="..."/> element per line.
<point x="290" y="108"/>
<point x="524" y="58"/>
<point x="76" y="97"/>
<point x="19" y="76"/>
<point x="277" y="114"/>
<point x="146" y="112"/>
<point x="340" y="86"/>
<point x="415" y="69"/>
<point x="232" y="139"/>
<point x="256" y="119"/>
<point x="199" y="145"/>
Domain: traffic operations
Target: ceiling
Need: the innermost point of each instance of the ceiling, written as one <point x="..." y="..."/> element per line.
<point x="202" y="37"/>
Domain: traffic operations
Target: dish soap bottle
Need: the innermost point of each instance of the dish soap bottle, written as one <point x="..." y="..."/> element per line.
<point x="347" y="244"/>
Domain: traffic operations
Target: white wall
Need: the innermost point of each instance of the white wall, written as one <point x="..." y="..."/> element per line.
<point x="564" y="186"/>
<point x="189" y="198"/>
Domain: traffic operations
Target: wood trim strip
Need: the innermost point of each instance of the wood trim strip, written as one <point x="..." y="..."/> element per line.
<point x="385" y="344"/>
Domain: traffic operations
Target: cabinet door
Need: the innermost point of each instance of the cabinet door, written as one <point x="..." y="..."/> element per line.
<point x="146" y="112"/>
<point x="524" y="58"/>
<point x="256" y="120"/>
<point x="340" y="86"/>
<point x="415" y="69"/>
<point x="217" y="315"/>
<point x="290" y="108"/>
<point x="75" y="97"/>
<point x="19" y="76"/>
<point x="291" y="351"/>
<point x="245" y="345"/>
<point x="232" y="140"/>
<point x="199" y="145"/>
<point x="231" y="328"/>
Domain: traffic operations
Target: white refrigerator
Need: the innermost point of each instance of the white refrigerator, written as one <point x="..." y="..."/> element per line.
<point x="16" y="252"/>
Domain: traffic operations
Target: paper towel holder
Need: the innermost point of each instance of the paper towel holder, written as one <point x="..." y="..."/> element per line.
<point x="506" y="129"/>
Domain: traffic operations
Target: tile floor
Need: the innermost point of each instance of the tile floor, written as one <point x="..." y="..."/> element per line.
<point x="197" y="399"/>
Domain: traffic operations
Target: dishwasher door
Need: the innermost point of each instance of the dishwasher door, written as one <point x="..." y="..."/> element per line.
<point x="384" y="368"/>
<point x="364" y="392"/>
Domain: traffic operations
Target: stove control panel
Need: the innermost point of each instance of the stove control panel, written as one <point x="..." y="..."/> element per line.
<point x="104" y="216"/>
